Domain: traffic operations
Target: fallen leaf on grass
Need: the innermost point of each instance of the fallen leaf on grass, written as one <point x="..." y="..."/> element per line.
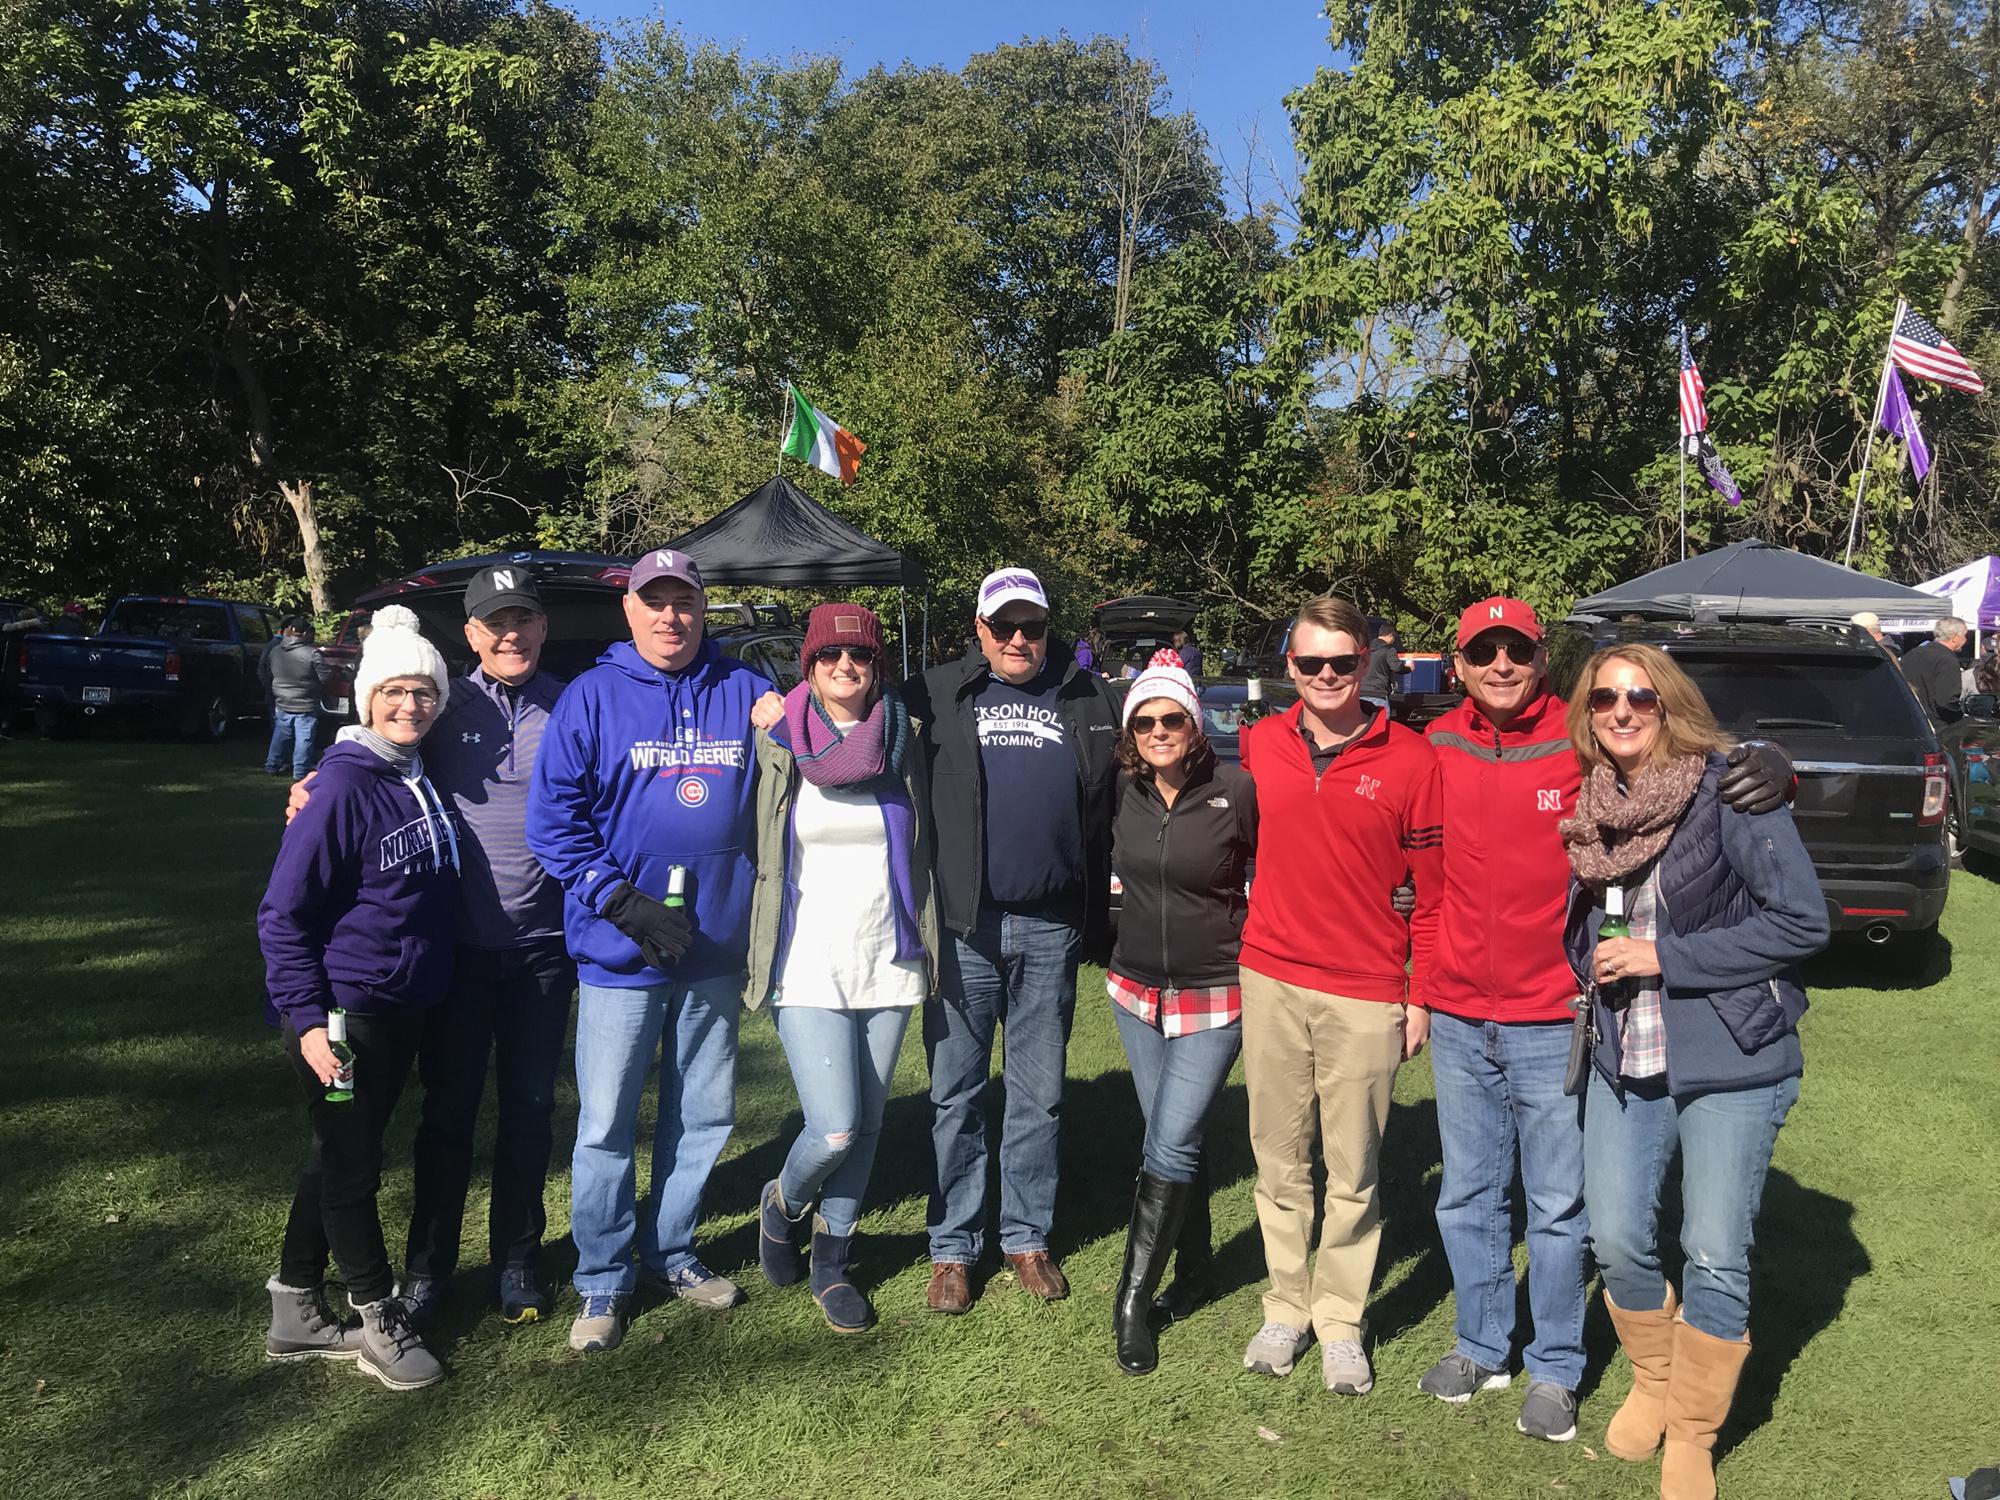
<point x="41" y="1386"/>
<point x="1590" y="1453"/>
<point x="114" y="1218"/>
<point x="1269" y="1436"/>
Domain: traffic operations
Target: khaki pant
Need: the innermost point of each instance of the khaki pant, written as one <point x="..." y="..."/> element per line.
<point x="1307" y="1052"/>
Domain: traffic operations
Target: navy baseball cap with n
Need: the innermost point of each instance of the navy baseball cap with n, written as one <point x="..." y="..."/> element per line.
<point x="663" y="562"/>
<point x="503" y="586"/>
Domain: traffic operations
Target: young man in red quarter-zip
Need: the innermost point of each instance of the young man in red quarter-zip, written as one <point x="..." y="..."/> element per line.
<point x="1349" y="807"/>
<point x="1499" y="990"/>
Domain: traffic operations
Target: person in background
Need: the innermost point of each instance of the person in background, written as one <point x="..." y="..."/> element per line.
<point x="1188" y="651"/>
<point x="1348" y="807"/>
<point x="1378" y="681"/>
<point x="1085" y="650"/>
<point x="72" y="620"/>
<point x="843" y="937"/>
<point x="1019" y="741"/>
<point x="1696" y="1018"/>
<point x="1182" y="842"/>
<point x="645" y="769"/>
<point x="293" y="672"/>
<point x="1986" y="671"/>
<point x="358" y="918"/>
<point x="1871" y="622"/>
<point x="1932" y="667"/>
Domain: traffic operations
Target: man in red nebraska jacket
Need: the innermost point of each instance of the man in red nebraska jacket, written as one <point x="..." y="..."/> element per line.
<point x="1499" y="990"/>
<point x="1349" y="808"/>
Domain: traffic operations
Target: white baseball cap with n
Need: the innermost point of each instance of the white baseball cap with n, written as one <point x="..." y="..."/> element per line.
<point x="1005" y="585"/>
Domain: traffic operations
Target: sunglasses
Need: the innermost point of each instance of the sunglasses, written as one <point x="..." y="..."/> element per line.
<point x="1029" y="630"/>
<point x="1481" y="653"/>
<point x="861" y="656"/>
<point x="1173" y="723"/>
<point x="1312" y="666"/>
<point x="1643" y="700"/>
<point x="394" y="696"/>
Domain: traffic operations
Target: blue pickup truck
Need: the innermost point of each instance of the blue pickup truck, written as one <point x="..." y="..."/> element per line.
<point x="188" y="663"/>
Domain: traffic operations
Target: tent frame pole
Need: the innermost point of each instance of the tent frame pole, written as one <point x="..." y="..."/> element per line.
<point x="903" y="629"/>
<point x="1874" y="424"/>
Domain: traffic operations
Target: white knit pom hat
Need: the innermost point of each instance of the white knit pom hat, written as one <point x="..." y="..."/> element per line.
<point x="396" y="648"/>
<point x="1164" y="677"/>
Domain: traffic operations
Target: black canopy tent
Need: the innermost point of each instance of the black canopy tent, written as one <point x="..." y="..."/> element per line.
<point x="780" y="536"/>
<point x="1758" y="580"/>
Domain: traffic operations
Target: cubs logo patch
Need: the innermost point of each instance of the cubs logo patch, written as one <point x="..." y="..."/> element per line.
<point x="692" y="791"/>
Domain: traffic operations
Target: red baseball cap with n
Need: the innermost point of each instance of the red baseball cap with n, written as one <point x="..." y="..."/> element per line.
<point x="1497" y="613"/>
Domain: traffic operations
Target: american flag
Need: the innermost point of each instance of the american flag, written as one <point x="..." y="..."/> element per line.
<point x="1694" y="410"/>
<point x="1919" y="348"/>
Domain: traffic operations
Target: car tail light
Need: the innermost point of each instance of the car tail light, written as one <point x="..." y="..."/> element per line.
<point x="1936" y="786"/>
<point x="173" y="666"/>
<point x="618" y="576"/>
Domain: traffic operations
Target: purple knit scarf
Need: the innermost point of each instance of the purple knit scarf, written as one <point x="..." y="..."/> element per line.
<point x="828" y="758"/>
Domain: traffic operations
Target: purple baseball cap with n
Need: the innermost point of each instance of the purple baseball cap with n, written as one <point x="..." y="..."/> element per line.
<point x="663" y="562"/>
<point x="1008" y="584"/>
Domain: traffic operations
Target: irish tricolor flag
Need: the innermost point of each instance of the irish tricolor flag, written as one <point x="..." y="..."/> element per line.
<point x="817" y="439"/>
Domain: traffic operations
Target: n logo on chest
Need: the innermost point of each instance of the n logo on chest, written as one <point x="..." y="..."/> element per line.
<point x="1367" y="787"/>
<point x="1548" y="801"/>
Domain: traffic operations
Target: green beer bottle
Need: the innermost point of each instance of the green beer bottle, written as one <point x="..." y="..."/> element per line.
<point x="1614" y="925"/>
<point x="677" y="879"/>
<point x="341" y="1090"/>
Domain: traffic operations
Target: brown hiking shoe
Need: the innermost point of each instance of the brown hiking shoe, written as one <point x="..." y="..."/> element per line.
<point x="1040" y="1275"/>
<point x="950" y="1289"/>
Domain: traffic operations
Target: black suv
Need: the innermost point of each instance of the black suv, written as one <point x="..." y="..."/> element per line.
<point x="1873" y="781"/>
<point x="583" y="594"/>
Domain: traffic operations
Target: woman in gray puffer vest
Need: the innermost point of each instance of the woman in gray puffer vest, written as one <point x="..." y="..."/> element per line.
<point x="1696" y="1018"/>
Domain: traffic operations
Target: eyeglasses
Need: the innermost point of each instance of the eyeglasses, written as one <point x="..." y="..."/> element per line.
<point x="1312" y="666"/>
<point x="1173" y="723"/>
<point x="422" y="697"/>
<point x="861" y="656"/>
<point x="1030" y="630"/>
<point x="1643" y="700"/>
<point x="1481" y="653"/>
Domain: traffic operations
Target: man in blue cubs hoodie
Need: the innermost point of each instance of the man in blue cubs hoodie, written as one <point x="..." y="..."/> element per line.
<point x="646" y="768"/>
<point x="358" y="919"/>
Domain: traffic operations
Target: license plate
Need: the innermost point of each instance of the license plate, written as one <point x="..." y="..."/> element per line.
<point x="96" y="695"/>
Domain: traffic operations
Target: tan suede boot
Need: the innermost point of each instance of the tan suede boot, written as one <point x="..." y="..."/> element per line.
<point x="1700" y="1388"/>
<point x="1648" y="1337"/>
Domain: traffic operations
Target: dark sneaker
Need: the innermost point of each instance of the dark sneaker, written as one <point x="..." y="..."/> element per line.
<point x="304" y="1327"/>
<point x="600" y="1326"/>
<point x="391" y="1350"/>
<point x="421" y="1297"/>
<point x="1276" y="1348"/>
<point x="1457" y="1378"/>
<point x="521" y="1301"/>
<point x="1548" y="1413"/>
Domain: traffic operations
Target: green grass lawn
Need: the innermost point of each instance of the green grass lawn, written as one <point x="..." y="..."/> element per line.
<point x="149" y="1132"/>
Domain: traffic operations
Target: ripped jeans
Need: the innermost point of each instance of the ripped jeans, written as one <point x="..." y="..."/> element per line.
<point x="844" y="1062"/>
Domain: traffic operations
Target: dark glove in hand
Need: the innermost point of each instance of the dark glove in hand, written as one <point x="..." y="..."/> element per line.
<point x="1404" y="899"/>
<point x="1759" y="778"/>
<point x="662" y="932"/>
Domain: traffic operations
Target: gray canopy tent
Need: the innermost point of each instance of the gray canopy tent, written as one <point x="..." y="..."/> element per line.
<point x="1758" y="580"/>
<point x="780" y="536"/>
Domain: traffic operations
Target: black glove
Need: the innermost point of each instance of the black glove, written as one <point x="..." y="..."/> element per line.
<point x="1759" y="778"/>
<point x="1404" y="899"/>
<point x="662" y="932"/>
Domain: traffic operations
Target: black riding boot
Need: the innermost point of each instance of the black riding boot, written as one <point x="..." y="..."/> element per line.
<point x="1157" y="1206"/>
<point x="1194" y="1256"/>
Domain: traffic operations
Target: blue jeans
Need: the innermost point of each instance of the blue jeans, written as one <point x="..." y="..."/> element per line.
<point x="291" y="735"/>
<point x="1177" y="1079"/>
<point x="1725" y="1141"/>
<point x="1499" y="1090"/>
<point x="617" y="1034"/>
<point x="511" y="1004"/>
<point x="843" y="1062"/>
<point x="1019" y="972"/>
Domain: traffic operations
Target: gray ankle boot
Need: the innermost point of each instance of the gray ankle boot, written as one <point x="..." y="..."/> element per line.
<point x="304" y="1327"/>
<point x="391" y="1350"/>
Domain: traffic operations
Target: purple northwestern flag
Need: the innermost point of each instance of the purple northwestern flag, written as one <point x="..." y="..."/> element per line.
<point x="1899" y="417"/>
<point x="1701" y="448"/>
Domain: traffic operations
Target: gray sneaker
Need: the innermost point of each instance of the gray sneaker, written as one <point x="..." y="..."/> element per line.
<point x="695" y="1283"/>
<point x="304" y="1327"/>
<point x="391" y="1350"/>
<point x="1276" y="1348"/>
<point x="600" y="1326"/>
<point x="1457" y="1378"/>
<point x="1344" y="1365"/>
<point x="1548" y="1412"/>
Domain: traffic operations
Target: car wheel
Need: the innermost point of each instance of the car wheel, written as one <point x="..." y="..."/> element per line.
<point x="211" y="721"/>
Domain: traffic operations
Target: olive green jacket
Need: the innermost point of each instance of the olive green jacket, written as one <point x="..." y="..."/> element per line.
<point x="777" y="788"/>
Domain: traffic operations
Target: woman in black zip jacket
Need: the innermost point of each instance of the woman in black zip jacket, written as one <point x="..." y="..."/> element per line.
<point x="1184" y="832"/>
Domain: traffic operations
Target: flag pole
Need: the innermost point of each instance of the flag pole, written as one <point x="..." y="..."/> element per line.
<point x="1684" y="499"/>
<point x="784" y="410"/>
<point x="1875" y="422"/>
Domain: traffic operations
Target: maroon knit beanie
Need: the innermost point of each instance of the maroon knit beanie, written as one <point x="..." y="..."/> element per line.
<point x="841" y="625"/>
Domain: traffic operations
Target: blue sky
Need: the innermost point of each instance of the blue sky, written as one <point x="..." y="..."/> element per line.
<point x="1232" y="63"/>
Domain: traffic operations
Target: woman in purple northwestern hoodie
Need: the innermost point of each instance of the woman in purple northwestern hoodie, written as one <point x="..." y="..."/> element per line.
<point x="357" y="925"/>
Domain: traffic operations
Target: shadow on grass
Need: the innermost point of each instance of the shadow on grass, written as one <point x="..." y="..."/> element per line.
<point x="1913" y="962"/>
